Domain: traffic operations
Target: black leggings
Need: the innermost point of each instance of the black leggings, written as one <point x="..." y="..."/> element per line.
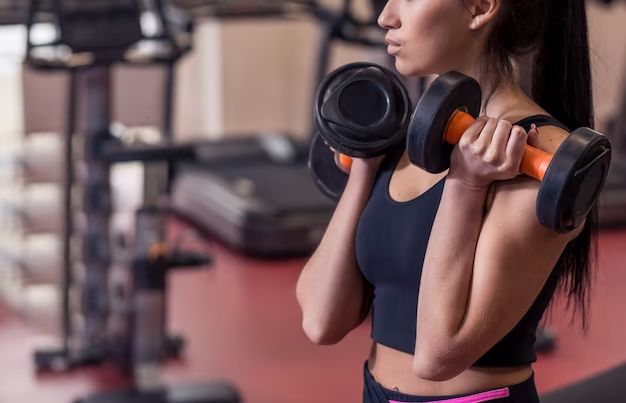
<point x="524" y="392"/>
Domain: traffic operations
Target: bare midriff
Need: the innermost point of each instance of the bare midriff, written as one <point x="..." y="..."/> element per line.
<point x="393" y="370"/>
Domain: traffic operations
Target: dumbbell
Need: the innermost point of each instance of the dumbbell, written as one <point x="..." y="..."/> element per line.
<point x="361" y="110"/>
<point x="571" y="178"/>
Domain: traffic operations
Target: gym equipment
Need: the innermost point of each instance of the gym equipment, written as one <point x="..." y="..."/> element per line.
<point x="361" y="110"/>
<point x="346" y="26"/>
<point x="234" y="189"/>
<point x="138" y="342"/>
<point x="36" y="206"/>
<point x="80" y="40"/>
<point x="606" y="387"/>
<point x="247" y="8"/>
<point x="261" y="223"/>
<point x="89" y="114"/>
<point x="262" y="205"/>
<point x="34" y="258"/>
<point x="35" y="303"/>
<point x="571" y="179"/>
<point x="326" y="174"/>
<point x="143" y="342"/>
<point x="39" y="208"/>
<point x="336" y="113"/>
<point x="41" y="159"/>
<point x="37" y="258"/>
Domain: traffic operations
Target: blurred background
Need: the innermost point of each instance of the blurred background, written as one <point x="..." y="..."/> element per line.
<point x="138" y="138"/>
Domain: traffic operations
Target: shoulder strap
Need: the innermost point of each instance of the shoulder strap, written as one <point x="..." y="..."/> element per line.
<point x="539" y="121"/>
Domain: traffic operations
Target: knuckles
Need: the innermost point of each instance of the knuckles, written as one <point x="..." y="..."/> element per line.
<point x="504" y="165"/>
<point x="478" y="147"/>
<point x="491" y="157"/>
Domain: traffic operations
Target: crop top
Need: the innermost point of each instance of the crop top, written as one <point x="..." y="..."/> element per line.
<point x="391" y="242"/>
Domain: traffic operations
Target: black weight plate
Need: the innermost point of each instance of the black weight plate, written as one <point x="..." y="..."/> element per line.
<point x="573" y="180"/>
<point x="425" y="141"/>
<point x="362" y="110"/>
<point x="329" y="178"/>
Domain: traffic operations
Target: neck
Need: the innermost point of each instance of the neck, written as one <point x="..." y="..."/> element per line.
<point x="504" y="100"/>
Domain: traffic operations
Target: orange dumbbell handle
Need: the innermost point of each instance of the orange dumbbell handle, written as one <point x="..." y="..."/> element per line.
<point x="535" y="162"/>
<point x="344" y="162"/>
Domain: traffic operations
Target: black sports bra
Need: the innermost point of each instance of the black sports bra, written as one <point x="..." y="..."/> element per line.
<point x="391" y="242"/>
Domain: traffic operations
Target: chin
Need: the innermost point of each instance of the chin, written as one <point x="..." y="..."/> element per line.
<point x="409" y="70"/>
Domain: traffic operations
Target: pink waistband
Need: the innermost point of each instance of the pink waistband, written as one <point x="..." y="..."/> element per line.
<point x="476" y="398"/>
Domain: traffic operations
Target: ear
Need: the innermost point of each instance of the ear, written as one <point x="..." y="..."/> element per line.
<point x="482" y="12"/>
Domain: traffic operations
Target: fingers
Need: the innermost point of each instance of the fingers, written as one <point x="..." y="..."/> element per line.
<point x="496" y="151"/>
<point x="515" y="147"/>
<point x="483" y="141"/>
<point x="474" y="131"/>
<point x="533" y="136"/>
<point x="491" y="149"/>
<point x="502" y="144"/>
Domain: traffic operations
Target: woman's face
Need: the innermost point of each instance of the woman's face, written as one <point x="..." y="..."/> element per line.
<point x="429" y="36"/>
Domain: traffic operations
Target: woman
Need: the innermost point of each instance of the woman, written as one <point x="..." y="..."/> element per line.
<point x="455" y="265"/>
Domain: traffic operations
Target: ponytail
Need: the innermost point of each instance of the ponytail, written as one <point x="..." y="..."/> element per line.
<point x="555" y="32"/>
<point x="561" y="81"/>
<point x="561" y="84"/>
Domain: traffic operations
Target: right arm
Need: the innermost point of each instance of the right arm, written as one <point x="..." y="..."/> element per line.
<point x="332" y="293"/>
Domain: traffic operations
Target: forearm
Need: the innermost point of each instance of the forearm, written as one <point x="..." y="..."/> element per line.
<point x="337" y="244"/>
<point x="330" y="289"/>
<point x="448" y="266"/>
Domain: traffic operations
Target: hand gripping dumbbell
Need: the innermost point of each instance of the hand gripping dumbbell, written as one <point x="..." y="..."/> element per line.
<point x="361" y="110"/>
<point x="571" y="178"/>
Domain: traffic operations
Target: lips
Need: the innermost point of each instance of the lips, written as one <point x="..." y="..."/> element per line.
<point x="393" y="47"/>
<point x="391" y="42"/>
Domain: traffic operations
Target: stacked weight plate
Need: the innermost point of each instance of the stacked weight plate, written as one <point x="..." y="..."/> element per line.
<point x="31" y="246"/>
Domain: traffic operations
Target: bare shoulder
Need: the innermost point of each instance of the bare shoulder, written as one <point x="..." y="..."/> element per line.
<point x="550" y="138"/>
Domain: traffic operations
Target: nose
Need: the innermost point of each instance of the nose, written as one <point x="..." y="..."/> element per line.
<point x="388" y="18"/>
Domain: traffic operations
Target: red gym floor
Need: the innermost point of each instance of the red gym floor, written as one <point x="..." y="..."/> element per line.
<point x="242" y="324"/>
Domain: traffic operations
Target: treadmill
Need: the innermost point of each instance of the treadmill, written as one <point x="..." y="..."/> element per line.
<point x="265" y="204"/>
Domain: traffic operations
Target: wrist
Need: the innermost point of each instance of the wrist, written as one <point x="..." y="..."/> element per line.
<point x="468" y="182"/>
<point x="361" y="176"/>
<point x="364" y="168"/>
<point x="465" y="184"/>
<point x="468" y="198"/>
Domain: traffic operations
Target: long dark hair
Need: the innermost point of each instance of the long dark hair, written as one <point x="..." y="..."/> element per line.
<point x="552" y="35"/>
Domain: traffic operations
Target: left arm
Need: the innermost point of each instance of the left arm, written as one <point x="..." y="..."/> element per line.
<point x="481" y="272"/>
